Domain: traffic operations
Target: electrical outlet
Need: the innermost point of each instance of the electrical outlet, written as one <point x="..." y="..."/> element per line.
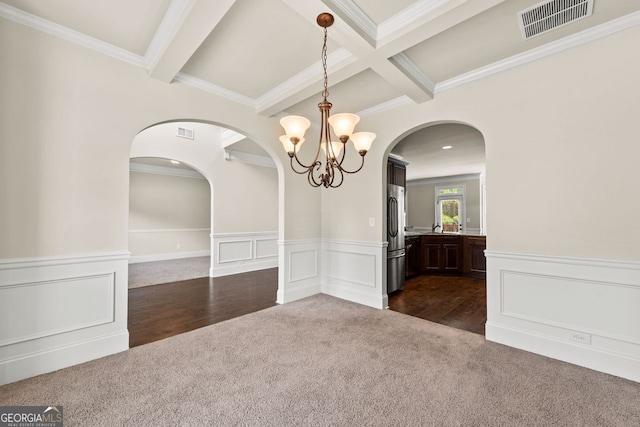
<point x="179" y="246"/>
<point x="580" y="337"/>
<point x="372" y="221"/>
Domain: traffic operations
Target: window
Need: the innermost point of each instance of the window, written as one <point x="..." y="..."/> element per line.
<point x="450" y="208"/>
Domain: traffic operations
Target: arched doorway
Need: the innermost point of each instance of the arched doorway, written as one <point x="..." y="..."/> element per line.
<point x="443" y="174"/>
<point x="236" y="200"/>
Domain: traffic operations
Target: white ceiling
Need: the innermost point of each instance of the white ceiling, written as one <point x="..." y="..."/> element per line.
<point x="266" y="53"/>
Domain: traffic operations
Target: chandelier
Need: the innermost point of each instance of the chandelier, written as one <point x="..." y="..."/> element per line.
<point x="326" y="170"/>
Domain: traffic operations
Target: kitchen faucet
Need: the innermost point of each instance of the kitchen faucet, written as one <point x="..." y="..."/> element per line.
<point x="434" y="226"/>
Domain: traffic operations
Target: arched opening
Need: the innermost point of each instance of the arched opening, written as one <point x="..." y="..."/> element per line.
<point x="204" y="207"/>
<point x="436" y="267"/>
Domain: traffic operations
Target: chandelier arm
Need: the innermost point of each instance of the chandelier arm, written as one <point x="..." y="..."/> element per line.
<point x="311" y="178"/>
<point x="347" y="171"/>
<point x="341" y="177"/>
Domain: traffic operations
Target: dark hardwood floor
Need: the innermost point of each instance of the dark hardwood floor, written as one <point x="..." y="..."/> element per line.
<point x="459" y="302"/>
<point x="161" y="311"/>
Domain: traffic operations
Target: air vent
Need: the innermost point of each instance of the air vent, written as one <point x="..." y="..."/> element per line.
<point x="552" y="14"/>
<point x="185" y="133"/>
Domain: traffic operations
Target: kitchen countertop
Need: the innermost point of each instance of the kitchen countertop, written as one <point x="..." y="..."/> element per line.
<point x="429" y="233"/>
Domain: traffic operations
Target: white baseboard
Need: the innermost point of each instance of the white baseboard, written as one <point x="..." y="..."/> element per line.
<point x="597" y="359"/>
<point x="227" y="270"/>
<point x="53" y="359"/>
<point x="581" y="311"/>
<point x="167" y="257"/>
<point x="60" y="311"/>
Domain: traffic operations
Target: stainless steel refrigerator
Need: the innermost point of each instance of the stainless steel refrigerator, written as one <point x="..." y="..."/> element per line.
<point x="395" y="238"/>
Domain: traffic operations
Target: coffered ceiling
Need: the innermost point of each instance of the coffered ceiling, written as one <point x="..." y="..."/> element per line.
<point x="266" y="53"/>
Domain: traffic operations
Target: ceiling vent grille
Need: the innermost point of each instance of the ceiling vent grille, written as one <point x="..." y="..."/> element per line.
<point x="185" y="133"/>
<point x="552" y="14"/>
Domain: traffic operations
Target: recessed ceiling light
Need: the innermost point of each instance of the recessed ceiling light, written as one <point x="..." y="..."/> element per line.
<point x="175" y="162"/>
<point x="447" y="147"/>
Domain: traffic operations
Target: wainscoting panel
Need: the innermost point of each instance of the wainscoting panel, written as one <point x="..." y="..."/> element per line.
<point x="35" y="310"/>
<point x="299" y="264"/>
<point x="355" y="271"/>
<point x="582" y="311"/>
<point x="266" y="248"/>
<point x="60" y="311"/>
<point x="235" y="253"/>
<point x="234" y="250"/>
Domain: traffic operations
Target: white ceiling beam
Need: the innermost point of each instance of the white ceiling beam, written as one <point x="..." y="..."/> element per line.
<point x="384" y="55"/>
<point x="196" y="20"/>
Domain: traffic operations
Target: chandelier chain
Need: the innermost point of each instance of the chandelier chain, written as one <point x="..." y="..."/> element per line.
<point x="325" y="92"/>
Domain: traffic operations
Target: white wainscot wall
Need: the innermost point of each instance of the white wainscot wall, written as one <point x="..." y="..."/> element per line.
<point x="355" y="271"/>
<point x="582" y="311"/>
<point x="62" y="311"/>
<point x="350" y="270"/>
<point x="234" y="253"/>
<point x="299" y="265"/>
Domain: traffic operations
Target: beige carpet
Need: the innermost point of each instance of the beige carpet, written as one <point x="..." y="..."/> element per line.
<point x="175" y="270"/>
<point x="322" y="361"/>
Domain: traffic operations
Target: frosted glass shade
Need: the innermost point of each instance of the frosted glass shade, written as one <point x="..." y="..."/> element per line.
<point x="343" y="123"/>
<point x="362" y="140"/>
<point x="288" y="145"/>
<point x="295" y="126"/>
<point x="336" y="146"/>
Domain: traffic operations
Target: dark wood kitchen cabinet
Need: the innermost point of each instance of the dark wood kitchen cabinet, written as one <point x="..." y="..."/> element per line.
<point x="441" y="254"/>
<point x="412" y="257"/>
<point x="396" y="172"/>
<point x="474" y="261"/>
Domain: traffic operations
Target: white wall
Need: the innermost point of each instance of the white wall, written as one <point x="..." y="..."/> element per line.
<point x="169" y="214"/>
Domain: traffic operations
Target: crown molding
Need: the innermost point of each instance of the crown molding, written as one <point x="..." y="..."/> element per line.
<point x="216" y="90"/>
<point x="443" y="179"/>
<point x="64" y="33"/>
<point x="407" y="16"/>
<point x="252" y="159"/>
<point x="402" y="61"/>
<point x="339" y="58"/>
<point x="228" y="137"/>
<point x="358" y="17"/>
<point x="385" y="106"/>
<point x="164" y="170"/>
<point x="603" y="30"/>
<point x="162" y="38"/>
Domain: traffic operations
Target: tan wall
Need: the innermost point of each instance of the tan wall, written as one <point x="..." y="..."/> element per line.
<point x="68" y="116"/>
<point x="560" y="137"/>
<point x="559" y="132"/>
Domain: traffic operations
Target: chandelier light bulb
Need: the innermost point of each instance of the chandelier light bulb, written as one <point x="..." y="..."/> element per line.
<point x="336" y="147"/>
<point x="295" y="126"/>
<point x="288" y="145"/>
<point x="343" y="124"/>
<point x="362" y="141"/>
